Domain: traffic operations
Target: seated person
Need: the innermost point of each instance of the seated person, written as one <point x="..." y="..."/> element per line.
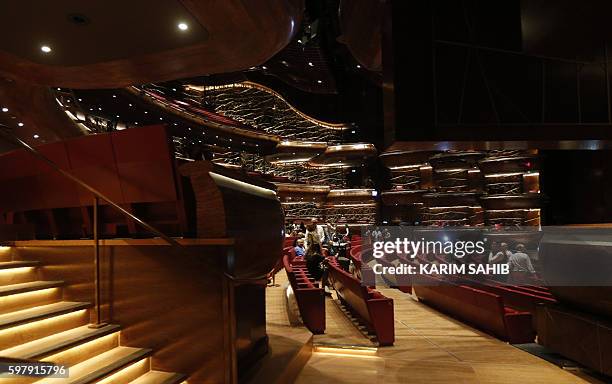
<point x="299" y="248"/>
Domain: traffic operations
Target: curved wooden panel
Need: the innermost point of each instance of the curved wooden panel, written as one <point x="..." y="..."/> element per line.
<point x="36" y="108"/>
<point x="240" y="34"/>
<point x="401" y="159"/>
<point x="345" y="155"/>
<point x="361" y="22"/>
<point x="230" y="204"/>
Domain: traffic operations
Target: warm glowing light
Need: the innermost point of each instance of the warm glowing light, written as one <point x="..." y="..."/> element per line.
<point x="129" y="371"/>
<point x="110" y="339"/>
<point x="361" y="352"/>
<point x="183" y="26"/>
<point x="20" y="124"/>
<point x="17" y="270"/>
<point x="36" y="136"/>
<point x="4" y="109"/>
<point x="29" y="327"/>
<point x="46" y="49"/>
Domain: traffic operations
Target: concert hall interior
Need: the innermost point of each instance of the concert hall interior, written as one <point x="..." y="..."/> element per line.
<point x="305" y="191"/>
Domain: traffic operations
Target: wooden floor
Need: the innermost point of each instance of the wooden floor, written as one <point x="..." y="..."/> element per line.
<point x="339" y="329"/>
<point x="289" y="347"/>
<point x="430" y="348"/>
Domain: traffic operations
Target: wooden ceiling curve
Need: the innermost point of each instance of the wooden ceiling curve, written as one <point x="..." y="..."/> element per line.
<point x="235" y="35"/>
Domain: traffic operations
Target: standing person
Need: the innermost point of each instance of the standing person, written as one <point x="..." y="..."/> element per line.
<point x="314" y="233"/>
<point x="502" y="256"/>
<point x="520" y="261"/>
<point x="316" y="264"/>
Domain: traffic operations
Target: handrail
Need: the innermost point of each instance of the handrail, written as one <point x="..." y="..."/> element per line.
<point x="6" y="132"/>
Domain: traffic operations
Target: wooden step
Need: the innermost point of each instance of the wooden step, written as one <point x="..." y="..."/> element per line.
<point x="35" y="323"/>
<point x="13" y="289"/>
<point x="158" y="377"/>
<point x="18" y="264"/>
<point x="27" y="300"/>
<point x="40" y="348"/>
<point x="17" y="272"/>
<point x="102" y="366"/>
<point x="41" y="312"/>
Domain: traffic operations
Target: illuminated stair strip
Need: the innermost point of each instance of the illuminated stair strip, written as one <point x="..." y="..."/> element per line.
<point x="15" y="289"/>
<point x="110" y="365"/>
<point x="39" y="313"/>
<point x="156" y="377"/>
<point x="17" y="264"/>
<point x="40" y="348"/>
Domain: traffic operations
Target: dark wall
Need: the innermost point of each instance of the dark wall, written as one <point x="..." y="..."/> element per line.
<point x="460" y="73"/>
<point x="578" y="186"/>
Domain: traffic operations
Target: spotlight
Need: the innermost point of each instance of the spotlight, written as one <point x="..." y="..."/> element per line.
<point x="45" y="49"/>
<point x="183" y="26"/>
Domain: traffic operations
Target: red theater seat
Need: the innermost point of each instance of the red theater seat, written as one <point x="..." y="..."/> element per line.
<point x="371" y="306"/>
<point x="484" y="310"/>
<point x="310" y="298"/>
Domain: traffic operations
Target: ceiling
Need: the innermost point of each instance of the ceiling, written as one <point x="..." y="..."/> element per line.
<point x="87" y="32"/>
<point x="111" y="43"/>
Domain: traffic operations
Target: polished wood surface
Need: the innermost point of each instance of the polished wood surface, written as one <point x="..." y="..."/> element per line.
<point x="433" y="348"/>
<point x="142" y="283"/>
<point x="241" y="34"/>
<point x="361" y="22"/>
<point x="36" y="108"/>
<point x="231" y="204"/>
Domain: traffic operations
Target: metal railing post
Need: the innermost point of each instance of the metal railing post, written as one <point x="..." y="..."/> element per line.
<point x="97" y="287"/>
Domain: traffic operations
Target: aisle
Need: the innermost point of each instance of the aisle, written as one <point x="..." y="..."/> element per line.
<point x="431" y="348"/>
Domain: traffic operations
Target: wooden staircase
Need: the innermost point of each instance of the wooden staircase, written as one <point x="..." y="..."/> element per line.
<point x="36" y="324"/>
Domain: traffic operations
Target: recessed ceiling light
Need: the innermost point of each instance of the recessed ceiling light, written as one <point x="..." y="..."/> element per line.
<point x="20" y="124"/>
<point x="146" y="112"/>
<point x="358" y="66"/>
<point x="4" y="109"/>
<point x="183" y="26"/>
<point x="114" y="96"/>
<point x="45" y="49"/>
<point x="80" y="99"/>
<point x="311" y="64"/>
<point x="319" y="81"/>
<point x="116" y="115"/>
<point x="264" y="67"/>
<point x="36" y="136"/>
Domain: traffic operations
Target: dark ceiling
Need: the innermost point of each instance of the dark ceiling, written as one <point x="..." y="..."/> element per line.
<point x="87" y="32"/>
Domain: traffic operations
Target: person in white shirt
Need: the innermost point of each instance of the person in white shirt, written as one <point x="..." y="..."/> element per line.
<point x="314" y="233"/>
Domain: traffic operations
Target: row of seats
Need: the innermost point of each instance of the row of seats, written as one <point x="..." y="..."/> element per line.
<point x="504" y="311"/>
<point x="484" y="310"/>
<point x="309" y="296"/>
<point x="373" y="308"/>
